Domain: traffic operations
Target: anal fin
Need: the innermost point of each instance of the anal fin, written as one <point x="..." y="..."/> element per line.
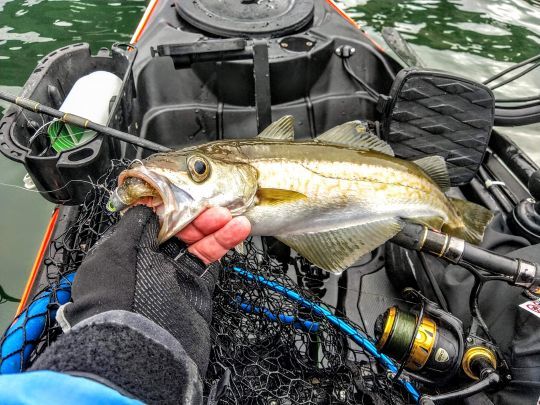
<point x="475" y="220"/>
<point x="338" y="249"/>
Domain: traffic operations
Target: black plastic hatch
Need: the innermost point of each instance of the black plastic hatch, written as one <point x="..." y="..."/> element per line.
<point x="247" y="18"/>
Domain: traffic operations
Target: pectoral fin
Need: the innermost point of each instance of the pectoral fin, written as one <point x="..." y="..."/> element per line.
<point x="272" y="196"/>
<point x="337" y="250"/>
<point x="355" y="135"/>
<point x="282" y="129"/>
<point x="241" y="249"/>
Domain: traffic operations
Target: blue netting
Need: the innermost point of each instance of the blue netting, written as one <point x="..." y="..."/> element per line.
<point x="22" y="337"/>
<point x="35" y="328"/>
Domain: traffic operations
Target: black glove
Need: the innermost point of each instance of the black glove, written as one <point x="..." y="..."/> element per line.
<point x="126" y="285"/>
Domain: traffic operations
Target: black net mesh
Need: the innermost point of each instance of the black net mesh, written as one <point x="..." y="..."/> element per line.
<point x="277" y="351"/>
<point x="267" y="349"/>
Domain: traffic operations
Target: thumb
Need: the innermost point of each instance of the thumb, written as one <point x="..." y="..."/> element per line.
<point x="139" y="227"/>
<point x="138" y="224"/>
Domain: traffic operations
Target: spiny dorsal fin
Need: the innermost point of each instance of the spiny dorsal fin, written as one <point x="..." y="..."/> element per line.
<point x="273" y="196"/>
<point x="355" y="134"/>
<point x="339" y="249"/>
<point x="435" y="167"/>
<point x="282" y="129"/>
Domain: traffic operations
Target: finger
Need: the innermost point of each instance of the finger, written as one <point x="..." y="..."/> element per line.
<point x="190" y="234"/>
<point x="212" y="219"/>
<point x="213" y="247"/>
<point x="206" y="223"/>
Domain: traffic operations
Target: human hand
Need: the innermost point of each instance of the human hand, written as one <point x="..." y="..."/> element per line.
<point x="213" y="233"/>
<point x="146" y="303"/>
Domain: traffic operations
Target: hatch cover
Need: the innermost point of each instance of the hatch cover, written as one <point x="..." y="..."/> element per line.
<point x="247" y="18"/>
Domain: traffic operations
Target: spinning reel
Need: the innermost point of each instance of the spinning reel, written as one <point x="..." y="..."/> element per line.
<point x="432" y="347"/>
<point x="430" y="343"/>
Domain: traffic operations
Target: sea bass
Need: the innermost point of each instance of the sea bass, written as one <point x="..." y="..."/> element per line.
<point x="332" y="199"/>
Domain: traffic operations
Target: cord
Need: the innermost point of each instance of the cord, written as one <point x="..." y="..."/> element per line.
<point x="515" y="77"/>
<point x="434" y="285"/>
<point x="370" y="90"/>
<point x="512" y="68"/>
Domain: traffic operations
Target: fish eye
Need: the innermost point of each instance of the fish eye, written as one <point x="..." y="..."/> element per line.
<point x="198" y="168"/>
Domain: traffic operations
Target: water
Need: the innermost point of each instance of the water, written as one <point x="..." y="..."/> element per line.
<point x="472" y="37"/>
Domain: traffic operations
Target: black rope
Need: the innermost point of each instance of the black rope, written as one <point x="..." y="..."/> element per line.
<point x="515" y="77"/>
<point x="512" y="68"/>
<point x="370" y="90"/>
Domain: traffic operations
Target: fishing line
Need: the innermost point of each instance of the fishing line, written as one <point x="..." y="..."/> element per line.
<point x="360" y="291"/>
<point x="95" y="185"/>
<point x="28" y="120"/>
<point x="38" y="132"/>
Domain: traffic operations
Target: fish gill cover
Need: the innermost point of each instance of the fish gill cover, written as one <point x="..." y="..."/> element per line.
<point x="266" y="348"/>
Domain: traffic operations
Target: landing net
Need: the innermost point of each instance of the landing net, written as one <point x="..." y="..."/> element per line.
<point x="266" y="349"/>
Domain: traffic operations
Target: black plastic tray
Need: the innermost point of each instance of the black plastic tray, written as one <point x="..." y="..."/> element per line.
<point x="55" y="174"/>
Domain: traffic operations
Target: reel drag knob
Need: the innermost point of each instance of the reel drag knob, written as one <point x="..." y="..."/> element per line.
<point x="477" y="360"/>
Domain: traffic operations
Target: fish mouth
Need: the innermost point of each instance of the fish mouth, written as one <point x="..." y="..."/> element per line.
<point x="170" y="203"/>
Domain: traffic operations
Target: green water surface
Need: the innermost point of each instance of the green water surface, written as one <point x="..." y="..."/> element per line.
<point x="475" y="38"/>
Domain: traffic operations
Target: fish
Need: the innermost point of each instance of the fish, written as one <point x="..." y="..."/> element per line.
<point x="332" y="199"/>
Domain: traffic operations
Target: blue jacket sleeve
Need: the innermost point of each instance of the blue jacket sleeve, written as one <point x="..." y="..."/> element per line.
<point x="49" y="387"/>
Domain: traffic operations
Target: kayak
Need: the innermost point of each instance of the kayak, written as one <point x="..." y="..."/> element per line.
<point x="201" y="71"/>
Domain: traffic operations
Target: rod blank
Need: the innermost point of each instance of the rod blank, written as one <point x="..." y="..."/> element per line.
<point x="34" y="106"/>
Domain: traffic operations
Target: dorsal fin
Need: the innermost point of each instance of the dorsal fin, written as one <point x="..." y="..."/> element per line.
<point x="435" y="167"/>
<point x="282" y="129"/>
<point x="355" y="135"/>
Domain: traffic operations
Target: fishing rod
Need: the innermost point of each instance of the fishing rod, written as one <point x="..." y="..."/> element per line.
<point x="82" y="122"/>
<point x="516" y="272"/>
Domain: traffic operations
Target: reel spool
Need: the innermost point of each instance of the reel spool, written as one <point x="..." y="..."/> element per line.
<point x="435" y="350"/>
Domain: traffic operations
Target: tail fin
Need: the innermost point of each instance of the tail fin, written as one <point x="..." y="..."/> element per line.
<point x="475" y="219"/>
